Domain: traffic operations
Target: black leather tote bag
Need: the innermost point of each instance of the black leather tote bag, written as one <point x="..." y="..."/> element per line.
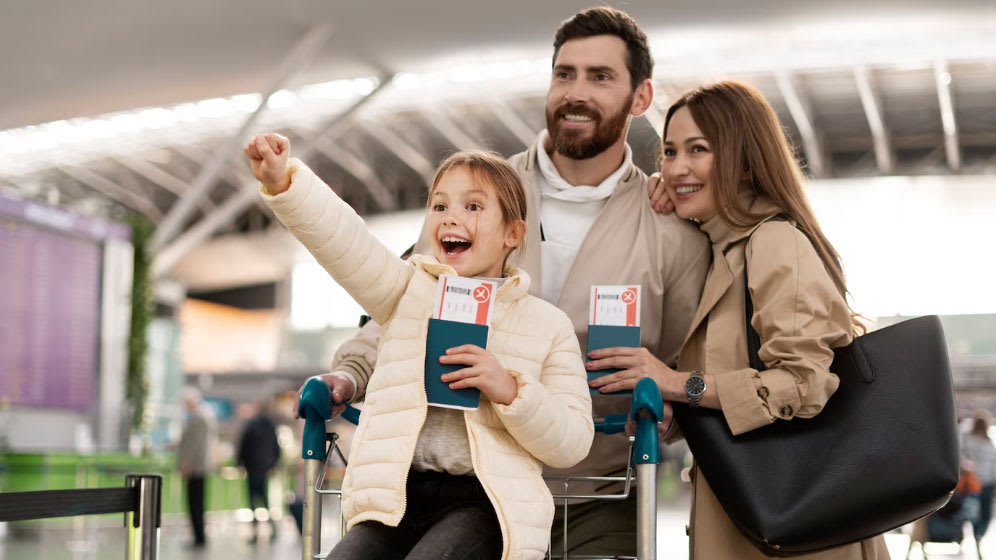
<point x="882" y="453"/>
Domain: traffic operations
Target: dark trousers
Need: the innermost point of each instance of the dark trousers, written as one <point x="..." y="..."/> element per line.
<point x="258" y="497"/>
<point x="980" y="525"/>
<point x="600" y="527"/>
<point x="257" y="491"/>
<point x="448" y="518"/>
<point x="195" y="507"/>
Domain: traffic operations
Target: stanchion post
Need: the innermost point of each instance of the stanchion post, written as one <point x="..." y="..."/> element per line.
<point x="144" y="522"/>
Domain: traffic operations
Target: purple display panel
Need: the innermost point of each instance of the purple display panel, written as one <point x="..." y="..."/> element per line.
<point x="49" y="315"/>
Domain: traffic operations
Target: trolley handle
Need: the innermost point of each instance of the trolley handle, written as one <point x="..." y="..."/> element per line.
<point x="315" y="406"/>
<point x="611" y="424"/>
<point x="351" y="414"/>
<point x="648" y="410"/>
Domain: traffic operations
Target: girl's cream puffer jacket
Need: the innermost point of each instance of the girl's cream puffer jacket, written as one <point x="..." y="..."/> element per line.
<point x="548" y="422"/>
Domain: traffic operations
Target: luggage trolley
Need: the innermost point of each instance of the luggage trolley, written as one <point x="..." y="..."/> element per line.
<point x="647" y="409"/>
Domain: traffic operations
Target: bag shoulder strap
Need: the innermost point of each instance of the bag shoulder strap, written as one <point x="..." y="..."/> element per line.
<point x="753" y="339"/>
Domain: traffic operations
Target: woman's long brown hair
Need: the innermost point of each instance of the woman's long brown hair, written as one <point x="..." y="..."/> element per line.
<point x="750" y="151"/>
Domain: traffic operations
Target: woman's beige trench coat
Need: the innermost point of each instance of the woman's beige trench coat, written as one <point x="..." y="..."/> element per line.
<point x="800" y="317"/>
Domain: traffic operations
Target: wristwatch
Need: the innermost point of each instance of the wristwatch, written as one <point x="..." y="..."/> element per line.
<point x="695" y="386"/>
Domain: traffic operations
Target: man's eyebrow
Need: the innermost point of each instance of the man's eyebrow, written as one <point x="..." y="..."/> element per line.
<point x="600" y="69"/>
<point x="570" y="67"/>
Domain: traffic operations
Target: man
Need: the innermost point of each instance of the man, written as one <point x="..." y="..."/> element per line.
<point x="259" y="453"/>
<point x="194" y="459"/>
<point x="590" y="222"/>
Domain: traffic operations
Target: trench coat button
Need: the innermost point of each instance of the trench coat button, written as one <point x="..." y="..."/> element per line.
<point x="762" y="392"/>
<point x="688" y="531"/>
<point x="786" y="411"/>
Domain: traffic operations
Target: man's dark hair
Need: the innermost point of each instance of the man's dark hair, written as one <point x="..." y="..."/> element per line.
<point x="605" y="20"/>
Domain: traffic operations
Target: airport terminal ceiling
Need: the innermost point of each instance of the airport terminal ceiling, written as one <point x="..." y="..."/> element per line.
<point x="106" y="108"/>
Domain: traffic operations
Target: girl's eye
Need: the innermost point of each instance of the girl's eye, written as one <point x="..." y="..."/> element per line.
<point x="699" y="148"/>
<point x="473" y="207"/>
<point x="438" y="207"/>
<point x="669" y="152"/>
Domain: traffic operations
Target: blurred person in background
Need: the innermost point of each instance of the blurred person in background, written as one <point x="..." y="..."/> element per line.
<point x="194" y="458"/>
<point x="978" y="450"/>
<point x="727" y="165"/>
<point x="259" y="453"/>
<point x="590" y="222"/>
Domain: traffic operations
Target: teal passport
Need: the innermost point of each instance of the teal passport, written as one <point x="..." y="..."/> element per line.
<point x="442" y="336"/>
<point x="610" y="336"/>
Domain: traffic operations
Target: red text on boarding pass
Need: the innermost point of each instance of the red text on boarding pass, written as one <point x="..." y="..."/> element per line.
<point x="465" y="300"/>
<point x="615" y="305"/>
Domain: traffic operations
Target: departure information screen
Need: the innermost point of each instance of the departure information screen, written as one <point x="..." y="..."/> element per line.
<point x="50" y="286"/>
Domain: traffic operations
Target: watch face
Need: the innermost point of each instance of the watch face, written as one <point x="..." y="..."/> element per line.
<point x="695" y="385"/>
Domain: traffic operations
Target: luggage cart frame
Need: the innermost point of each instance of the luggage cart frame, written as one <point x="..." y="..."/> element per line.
<point x="647" y="409"/>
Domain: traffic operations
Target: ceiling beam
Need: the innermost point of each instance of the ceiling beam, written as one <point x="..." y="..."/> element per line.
<point x="803" y="116"/>
<point x="513" y="121"/>
<point x="450" y="131"/>
<point x="401" y="149"/>
<point x="298" y="58"/>
<point x="248" y="193"/>
<point x="161" y="179"/>
<point x="872" y="105"/>
<point x="861" y="166"/>
<point x="928" y="162"/>
<point x="112" y="190"/>
<point x="337" y="124"/>
<point x="363" y="173"/>
<point x="942" y="78"/>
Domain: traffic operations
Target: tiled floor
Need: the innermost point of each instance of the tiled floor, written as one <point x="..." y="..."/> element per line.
<point x="88" y="539"/>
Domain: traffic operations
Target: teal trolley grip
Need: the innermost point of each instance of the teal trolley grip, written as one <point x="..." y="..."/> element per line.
<point x="315" y="407"/>
<point x="647" y="410"/>
<point x="611" y="424"/>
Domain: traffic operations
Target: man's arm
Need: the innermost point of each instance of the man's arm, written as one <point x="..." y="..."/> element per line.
<point x="681" y="296"/>
<point x="355" y="359"/>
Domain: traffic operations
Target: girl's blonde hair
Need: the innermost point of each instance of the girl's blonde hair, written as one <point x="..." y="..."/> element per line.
<point x="490" y="168"/>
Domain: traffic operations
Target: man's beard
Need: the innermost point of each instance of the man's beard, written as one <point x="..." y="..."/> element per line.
<point x="572" y="143"/>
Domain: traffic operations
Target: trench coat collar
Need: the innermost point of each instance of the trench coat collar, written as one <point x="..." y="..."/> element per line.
<point x="722" y="235"/>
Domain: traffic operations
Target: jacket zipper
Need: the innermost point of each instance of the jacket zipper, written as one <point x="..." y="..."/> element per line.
<point x="472" y="438"/>
<point x="424" y="407"/>
<point x="499" y="512"/>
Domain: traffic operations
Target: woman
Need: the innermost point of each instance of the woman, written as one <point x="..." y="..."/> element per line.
<point x="727" y="165"/>
<point x="978" y="449"/>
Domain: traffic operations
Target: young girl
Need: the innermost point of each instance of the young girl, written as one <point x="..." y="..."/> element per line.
<point x="427" y="482"/>
<point x="727" y="165"/>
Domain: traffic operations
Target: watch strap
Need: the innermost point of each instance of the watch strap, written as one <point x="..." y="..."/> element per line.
<point x="695" y="398"/>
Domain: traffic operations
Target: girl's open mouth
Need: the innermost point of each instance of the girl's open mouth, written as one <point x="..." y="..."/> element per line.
<point x="455" y="245"/>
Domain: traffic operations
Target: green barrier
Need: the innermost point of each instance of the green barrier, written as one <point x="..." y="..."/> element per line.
<point x="29" y="472"/>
